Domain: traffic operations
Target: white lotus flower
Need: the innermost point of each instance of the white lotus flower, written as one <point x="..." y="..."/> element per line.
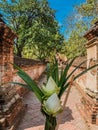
<point x="52" y="105"/>
<point x="50" y="87"/>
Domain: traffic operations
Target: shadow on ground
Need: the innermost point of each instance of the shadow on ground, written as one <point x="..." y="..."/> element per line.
<point x="67" y="115"/>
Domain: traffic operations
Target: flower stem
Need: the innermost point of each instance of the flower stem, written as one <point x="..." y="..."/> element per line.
<point x="50" y="123"/>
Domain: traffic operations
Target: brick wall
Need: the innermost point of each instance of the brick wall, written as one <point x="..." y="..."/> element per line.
<point x="11" y="104"/>
<point x="89" y="100"/>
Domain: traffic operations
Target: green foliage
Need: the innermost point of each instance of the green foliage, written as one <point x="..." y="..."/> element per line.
<point x="62" y="78"/>
<point x="77" y="24"/>
<point x="75" y="45"/>
<point x="89" y="9"/>
<point x="36" y="27"/>
<point x="30" y="84"/>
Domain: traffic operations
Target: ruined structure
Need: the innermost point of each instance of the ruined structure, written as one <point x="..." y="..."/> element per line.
<point x="90" y="99"/>
<point x="11" y="104"/>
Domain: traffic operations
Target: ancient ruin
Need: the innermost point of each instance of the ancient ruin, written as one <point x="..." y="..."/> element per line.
<point x="90" y="97"/>
<point x="11" y="103"/>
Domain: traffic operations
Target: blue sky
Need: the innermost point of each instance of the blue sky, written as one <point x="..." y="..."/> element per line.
<point x="63" y="9"/>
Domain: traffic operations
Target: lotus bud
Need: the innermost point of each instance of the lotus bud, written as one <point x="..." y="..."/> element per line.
<point x="52" y="105"/>
<point x="50" y="87"/>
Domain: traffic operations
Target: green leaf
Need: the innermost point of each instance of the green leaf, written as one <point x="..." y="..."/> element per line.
<point x="85" y="71"/>
<point x="77" y="76"/>
<point x="63" y="89"/>
<point x="63" y="78"/>
<point x="30" y="83"/>
<point x="55" y="73"/>
<point x="23" y="85"/>
<point x="52" y="71"/>
<point x="75" y="69"/>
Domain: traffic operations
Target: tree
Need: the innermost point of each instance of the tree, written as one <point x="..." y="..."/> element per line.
<point x="35" y="25"/>
<point x="77" y="24"/>
<point x="89" y="10"/>
<point x="75" y="43"/>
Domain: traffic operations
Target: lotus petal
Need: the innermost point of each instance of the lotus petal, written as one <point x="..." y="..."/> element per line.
<point x="52" y="105"/>
<point x="50" y="87"/>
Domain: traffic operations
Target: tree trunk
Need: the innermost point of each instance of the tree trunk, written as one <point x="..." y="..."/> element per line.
<point x="19" y="51"/>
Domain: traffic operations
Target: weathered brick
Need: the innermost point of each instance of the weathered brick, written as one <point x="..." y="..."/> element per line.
<point x="12" y="106"/>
